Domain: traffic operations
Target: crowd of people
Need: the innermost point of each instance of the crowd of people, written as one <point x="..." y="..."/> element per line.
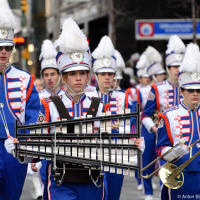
<point x="80" y="81"/>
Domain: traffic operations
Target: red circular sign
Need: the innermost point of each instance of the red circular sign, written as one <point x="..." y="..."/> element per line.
<point x="146" y="29"/>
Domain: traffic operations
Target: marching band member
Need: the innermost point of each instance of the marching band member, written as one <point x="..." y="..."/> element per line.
<point x="144" y="79"/>
<point x="141" y="91"/>
<point x="18" y="101"/>
<point x="49" y="70"/>
<point x="162" y="96"/>
<point x="74" y="61"/>
<point x="181" y="122"/>
<point x="104" y="66"/>
<point x="51" y="80"/>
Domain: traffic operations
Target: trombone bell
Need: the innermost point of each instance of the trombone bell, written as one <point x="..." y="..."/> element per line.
<point x="170" y="182"/>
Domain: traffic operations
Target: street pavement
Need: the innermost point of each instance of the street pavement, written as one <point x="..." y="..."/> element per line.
<point x="129" y="190"/>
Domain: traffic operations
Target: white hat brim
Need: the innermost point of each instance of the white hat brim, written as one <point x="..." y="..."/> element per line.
<point x="174" y="64"/>
<point x="187" y="87"/>
<point x="76" y="68"/>
<point x="6" y="44"/>
<point x="106" y="69"/>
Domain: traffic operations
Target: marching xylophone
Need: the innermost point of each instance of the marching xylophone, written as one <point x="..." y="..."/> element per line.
<point x="105" y="142"/>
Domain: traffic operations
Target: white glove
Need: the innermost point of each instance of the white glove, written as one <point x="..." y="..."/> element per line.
<point x="30" y="171"/>
<point x="178" y="151"/>
<point x="38" y="165"/>
<point x="142" y="145"/>
<point x="9" y="145"/>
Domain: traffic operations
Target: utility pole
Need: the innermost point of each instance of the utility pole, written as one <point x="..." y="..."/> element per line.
<point x="56" y="31"/>
<point x="194" y="23"/>
<point x="111" y="23"/>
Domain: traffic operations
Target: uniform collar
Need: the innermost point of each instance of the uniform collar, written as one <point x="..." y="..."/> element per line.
<point x="6" y="70"/>
<point x="81" y="97"/>
<point x="188" y="107"/>
<point x="172" y="84"/>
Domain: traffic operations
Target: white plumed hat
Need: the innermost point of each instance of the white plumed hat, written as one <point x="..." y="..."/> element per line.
<point x="48" y="56"/>
<point x="142" y="72"/>
<point x="7" y="24"/>
<point x="155" y="66"/>
<point x="120" y="65"/>
<point x="103" y="56"/>
<point x="142" y="65"/>
<point x="74" y="52"/>
<point x="189" y="77"/>
<point x="175" y="51"/>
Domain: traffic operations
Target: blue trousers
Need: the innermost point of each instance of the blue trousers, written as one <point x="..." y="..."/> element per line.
<point x="113" y="184"/>
<point x="147" y="157"/>
<point x="12" y="175"/>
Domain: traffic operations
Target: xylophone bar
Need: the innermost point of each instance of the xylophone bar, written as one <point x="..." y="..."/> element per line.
<point x="113" y="153"/>
<point x="79" y="143"/>
<point x="61" y="136"/>
<point x="82" y="120"/>
<point x="124" y="169"/>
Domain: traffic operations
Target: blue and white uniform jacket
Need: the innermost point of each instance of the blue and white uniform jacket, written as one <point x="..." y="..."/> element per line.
<point x="19" y="97"/>
<point x="144" y="90"/>
<point x="180" y="122"/>
<point x="162" y="96"/>
<point x="19" y="101"/>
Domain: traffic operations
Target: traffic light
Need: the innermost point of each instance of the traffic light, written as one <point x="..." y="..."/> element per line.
<point x="24" y="6"/>
<point x="19" y="40"/>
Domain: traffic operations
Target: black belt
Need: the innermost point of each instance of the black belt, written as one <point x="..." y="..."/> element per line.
<point x="74" y="174"/>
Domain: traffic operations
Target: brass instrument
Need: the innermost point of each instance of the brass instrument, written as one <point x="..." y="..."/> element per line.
<point x="171" y="175"/>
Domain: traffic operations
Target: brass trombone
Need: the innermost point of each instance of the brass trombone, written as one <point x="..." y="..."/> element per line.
<point x="171" y="175"/>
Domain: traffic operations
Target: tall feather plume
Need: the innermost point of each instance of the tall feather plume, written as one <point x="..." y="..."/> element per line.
<point x="119" y="60"/>
<point x="47" y="50"/>
<point x="7" y="19"/>
<point x="105" y="48"/>
<point x="191" y="60"/>
<point x="153" y="55"/>
<point x="175" y="44"/>
<point x="71" y="39"/>
<point x="143" y="62"/>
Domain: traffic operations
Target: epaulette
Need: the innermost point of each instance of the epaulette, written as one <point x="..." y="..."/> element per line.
<point x="20" y="69"/>
<point x="171" y="109"/>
